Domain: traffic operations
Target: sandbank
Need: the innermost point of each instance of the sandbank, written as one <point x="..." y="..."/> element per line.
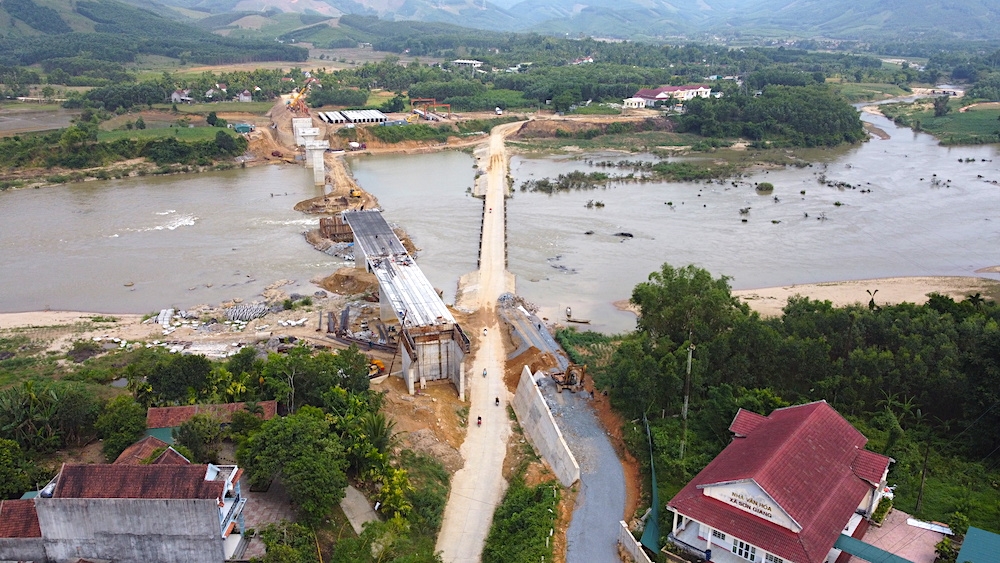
<point x="769" y="301"/>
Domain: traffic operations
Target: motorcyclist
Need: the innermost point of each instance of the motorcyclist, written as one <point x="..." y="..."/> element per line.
<point x="484" y="372"/>
<point x="479" y="421"/>
<point x="498" y="401"/>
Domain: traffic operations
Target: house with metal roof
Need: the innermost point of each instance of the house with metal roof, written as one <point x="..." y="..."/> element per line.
<point x="783" y="491"/>
<point x="656" y="96"/>
<point x="979" y="546"/>
<point x="164" y="512"/>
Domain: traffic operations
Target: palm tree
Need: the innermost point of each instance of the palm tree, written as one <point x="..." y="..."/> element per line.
<point x="380" y="430"/>
<point x="871" y="303"/>
<point x="976" y="300"/>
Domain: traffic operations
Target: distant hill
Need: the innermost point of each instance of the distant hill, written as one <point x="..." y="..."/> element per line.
<point x="33" y="31"/>
<point x="846" y="19"/>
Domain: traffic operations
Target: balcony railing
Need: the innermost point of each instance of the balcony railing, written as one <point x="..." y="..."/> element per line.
<point x="234" y="511"/>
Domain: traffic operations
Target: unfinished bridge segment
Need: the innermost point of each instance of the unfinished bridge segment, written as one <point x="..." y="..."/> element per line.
<point x="431" y="343"/>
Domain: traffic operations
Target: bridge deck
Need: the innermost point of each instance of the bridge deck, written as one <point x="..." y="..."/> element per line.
<point x="401" y="281"/>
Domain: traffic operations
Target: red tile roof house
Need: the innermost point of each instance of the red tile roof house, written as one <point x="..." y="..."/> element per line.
<point x="140" y="452"/>
<point x="654" y="96"/>
<point x="783" y="491"/>
<point x="160" y="421"/>
<point x="128" y="513"/>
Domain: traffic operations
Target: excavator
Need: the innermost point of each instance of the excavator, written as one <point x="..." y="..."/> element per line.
<point x="375" y="368"/>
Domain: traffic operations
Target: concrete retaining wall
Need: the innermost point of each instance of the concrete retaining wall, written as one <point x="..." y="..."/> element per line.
<point x="631" y="545"/>
<point x="541" y="429"/>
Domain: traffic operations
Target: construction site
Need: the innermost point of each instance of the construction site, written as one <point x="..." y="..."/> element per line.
<point x="429" y="340"/>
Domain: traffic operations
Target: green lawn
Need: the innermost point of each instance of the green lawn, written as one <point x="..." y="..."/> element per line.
<point x="976" y="126"/>
<point x="182" y="133"/>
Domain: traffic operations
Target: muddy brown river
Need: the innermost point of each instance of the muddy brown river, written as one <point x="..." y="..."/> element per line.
<point x="189" y="239"/>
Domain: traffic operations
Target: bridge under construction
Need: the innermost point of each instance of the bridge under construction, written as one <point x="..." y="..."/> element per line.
<point x="431" y="343"/>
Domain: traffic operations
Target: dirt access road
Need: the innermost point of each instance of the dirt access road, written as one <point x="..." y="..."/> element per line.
<point x="477" y="488"/>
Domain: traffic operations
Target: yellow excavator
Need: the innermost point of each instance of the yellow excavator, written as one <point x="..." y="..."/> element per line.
<point x="376" y="368"/>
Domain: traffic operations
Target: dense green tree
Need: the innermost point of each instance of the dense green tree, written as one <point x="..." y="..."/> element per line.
<point x="300" y="450"/>
<point x="386" y="541"/>
<point x="226" y="142"/>
<point x="120" y="424"/>
<point x="685" y="304"/>
<point x="15" y="471"/>
<point x="178" y="378"/>
<point x="941" y="105"/>
<point x="202" y="436"/>
<point x="76" y="413"/>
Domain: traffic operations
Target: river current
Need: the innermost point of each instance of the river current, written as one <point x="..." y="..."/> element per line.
<point x="146" y="243"/>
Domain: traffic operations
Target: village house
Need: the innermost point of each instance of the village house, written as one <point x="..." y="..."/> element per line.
<point x="181" y="96"/>
<point x="162" y="421"/>
<point x="658" y="96"/>
<point x="167" y="511"/>
<point x="634" y="103"/>
<point x="796" y="486"/>
<point x="244" y="96"/>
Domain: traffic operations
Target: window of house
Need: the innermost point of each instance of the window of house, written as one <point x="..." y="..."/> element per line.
<point x="718" y="534"/>
<point x="772" y="558"/>
<point x="745" y="550"/>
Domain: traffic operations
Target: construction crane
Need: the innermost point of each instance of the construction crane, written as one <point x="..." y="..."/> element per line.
<point x="297" y="103"/>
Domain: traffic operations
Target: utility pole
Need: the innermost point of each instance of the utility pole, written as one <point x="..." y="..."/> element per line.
<point x="687" y="395"/>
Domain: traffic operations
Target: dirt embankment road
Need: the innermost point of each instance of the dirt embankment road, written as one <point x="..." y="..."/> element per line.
<point x="478" y="487"/>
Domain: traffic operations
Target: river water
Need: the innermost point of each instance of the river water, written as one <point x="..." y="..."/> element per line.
<point x="178" y="240"/>
<point x="184" y="240"/>
<point x="904" y="226"/>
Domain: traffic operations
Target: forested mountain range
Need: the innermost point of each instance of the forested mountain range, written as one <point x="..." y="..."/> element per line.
<point x="32" y="31"/>
<point x="655" y="19"/>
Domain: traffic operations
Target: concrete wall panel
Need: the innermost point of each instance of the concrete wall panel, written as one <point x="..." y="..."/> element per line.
<point x="22" y="549"/>
<point x="540" y="428"/>
<point x="131" y="530"/>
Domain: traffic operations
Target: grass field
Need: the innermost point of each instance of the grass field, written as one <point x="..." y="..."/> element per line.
<point x="219" y="107"/>
<point x="978" y="125"/>
<point x="854" y="92"/>
<point x="597" y="109"/>
<point x="181" y="133"/>
<point x="379" y="97"/>
<point x="646" y="140"/>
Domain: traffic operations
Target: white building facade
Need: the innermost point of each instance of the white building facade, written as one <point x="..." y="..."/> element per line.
<point x="783" y="491"/>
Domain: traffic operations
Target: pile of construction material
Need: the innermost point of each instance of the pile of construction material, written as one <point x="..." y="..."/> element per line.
<point x="247" y="312"/>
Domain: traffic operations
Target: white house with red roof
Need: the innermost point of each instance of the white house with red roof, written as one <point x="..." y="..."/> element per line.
<point x="656" y="96"/>
<point x="783" y="491"/>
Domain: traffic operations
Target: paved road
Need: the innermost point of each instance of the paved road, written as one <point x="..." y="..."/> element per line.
<point x="593" y="532"/>
<point x="477" y="488"/>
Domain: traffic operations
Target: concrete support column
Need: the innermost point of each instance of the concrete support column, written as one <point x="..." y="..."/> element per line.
<point x="673" y="530"/>
<point x="318" y="166"/>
